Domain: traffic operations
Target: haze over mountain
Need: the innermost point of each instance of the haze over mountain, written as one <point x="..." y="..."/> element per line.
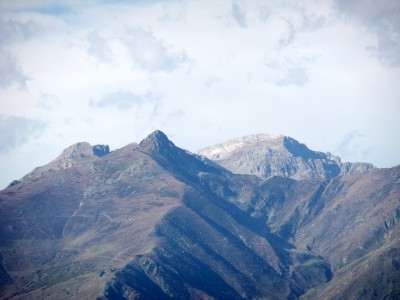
<point x="154" y="221"/>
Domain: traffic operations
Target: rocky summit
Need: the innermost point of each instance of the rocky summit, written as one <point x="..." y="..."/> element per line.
<point x="266" y="156"/>
<point x="154" y="221"/>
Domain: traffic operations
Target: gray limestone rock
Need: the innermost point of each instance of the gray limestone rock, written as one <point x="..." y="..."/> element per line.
<point x="266" y="156"/>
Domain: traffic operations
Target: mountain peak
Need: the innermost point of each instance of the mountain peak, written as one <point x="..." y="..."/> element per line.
<point x="83" y="150"/>
<point x="76" y="151"/>
<point x="181" y="161"/>
<point x="266" y="155"/>
<point x="224" y="150"/>
<point x="71" y="156"/>
<point x="157" y="140"/>
<point x="158" y="135"/>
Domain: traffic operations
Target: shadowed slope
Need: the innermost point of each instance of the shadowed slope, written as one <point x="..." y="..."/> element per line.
<point x="352" y="221"/>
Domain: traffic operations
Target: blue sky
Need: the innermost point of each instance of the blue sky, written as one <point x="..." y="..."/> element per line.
<point x="326" y="73"/>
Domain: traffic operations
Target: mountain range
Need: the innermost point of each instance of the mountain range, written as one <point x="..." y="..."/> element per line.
<point x="260" y="217"/>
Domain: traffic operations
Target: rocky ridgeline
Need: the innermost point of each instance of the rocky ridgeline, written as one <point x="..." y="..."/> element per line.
<point x="276" y="155"/>
<point x="71" y="156"/>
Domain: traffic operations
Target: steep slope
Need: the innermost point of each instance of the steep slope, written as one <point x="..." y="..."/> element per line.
<point x="352" y="221"/>
<point x="63" y="231"/>
<point x="208" y="247"/>
<point x="324" y="215"/>
<point x="373" y="276"/>
<point x="148" y="220"/>
<point x="276" y="155"/>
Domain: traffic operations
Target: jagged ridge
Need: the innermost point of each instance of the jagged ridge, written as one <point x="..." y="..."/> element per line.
<point x="276" y="155"/>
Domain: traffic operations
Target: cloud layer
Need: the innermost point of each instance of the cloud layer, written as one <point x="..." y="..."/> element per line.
<point x="382" y="18"/>
<point x="16" y="131"/>
<point x="324" y="72"/>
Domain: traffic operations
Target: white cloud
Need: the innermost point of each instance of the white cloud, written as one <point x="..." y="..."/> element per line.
<point x="238" y="15"/>
<point x="16" y="131"/>
<point x="12" y="31"/>
<point x="264" y="13"/>
<point x="48" y="102"/>
<point x="348" y="145"/>
<point x="285" y="69"/>
<point x="202" y="71"/>
<point x="288" y="37"/>
<point x="125" y="100"/>
<point x="212" y="82"/>
<point x="294" y="76"/>
<point x="149" y="52"/>
<point x="98" y="47"/>
<point x="381" y="17"/>
<point x="10" y="71"/>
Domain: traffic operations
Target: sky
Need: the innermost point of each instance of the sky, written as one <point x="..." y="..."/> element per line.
<point x="325" y="72"/>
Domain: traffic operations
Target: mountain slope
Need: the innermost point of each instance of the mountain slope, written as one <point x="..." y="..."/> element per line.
<point x="324" y="215"/>
<point x="147" y="220"/>
<point x="61" y="228"/>
<point x="276" y="155"/>
<point x="373" y="276"/>
<point x="352" y="221"/>
<point x="347" y="213"/>
<point x="209" y="248"/>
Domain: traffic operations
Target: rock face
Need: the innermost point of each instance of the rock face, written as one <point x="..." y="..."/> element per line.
<point x="276" y="155"/>
<point x="153" y="221"/>
<point x="101" y="150"/>
<point x="14" y="182"/>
